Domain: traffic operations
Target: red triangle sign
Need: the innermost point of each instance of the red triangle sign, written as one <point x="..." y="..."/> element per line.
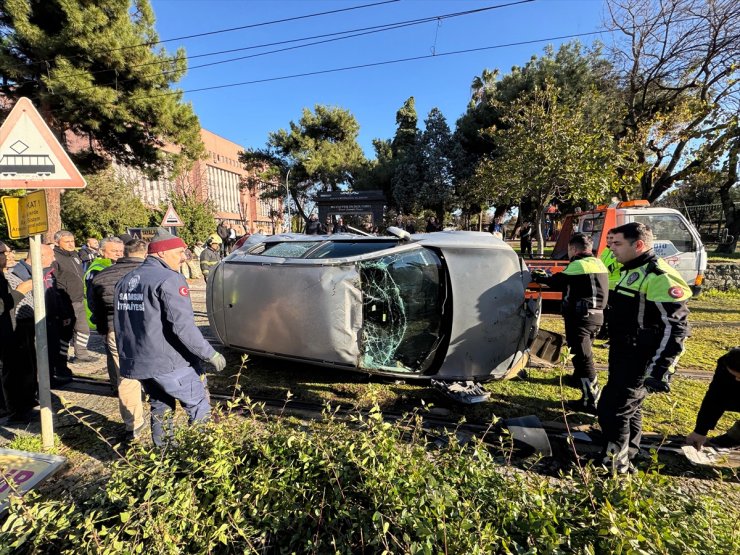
<point x="31" y="156"/>
<point x="171" y="218"/>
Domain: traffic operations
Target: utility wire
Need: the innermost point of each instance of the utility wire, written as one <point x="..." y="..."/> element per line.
<point x="240" y="28"/>
<point x="363" y="31"/>
<point x="377" y="64"/>
<point x="350" y="33"/>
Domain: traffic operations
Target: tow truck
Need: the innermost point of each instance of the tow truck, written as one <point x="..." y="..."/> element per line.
<point x="676" y="240"/>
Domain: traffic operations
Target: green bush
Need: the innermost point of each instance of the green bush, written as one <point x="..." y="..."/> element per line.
<point x="107" y="206"/>
<point x="253" y="484"/>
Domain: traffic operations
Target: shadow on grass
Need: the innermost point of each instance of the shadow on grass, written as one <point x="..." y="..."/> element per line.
<point x="77" y="431"/>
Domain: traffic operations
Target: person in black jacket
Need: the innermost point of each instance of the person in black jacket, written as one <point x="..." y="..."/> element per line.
<point x="339" y="227"/>
<point x="432" y="225"/>
<point x="525" y="240"/>
<point x="314" y="226"/>
<point x="222" y="230"/>
<point x="648" y="324"/>
<point x="89" y="252"/>
<point x="101" y="303"/>
<point x="17" y="350"/>
<point x="9" y="299"/>
<point x="723" y="395"/>
<point x="69" y="275"/>
<point x="585" y="283"/>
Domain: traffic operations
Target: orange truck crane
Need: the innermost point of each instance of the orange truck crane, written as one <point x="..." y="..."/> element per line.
<point x="676" y="240"/>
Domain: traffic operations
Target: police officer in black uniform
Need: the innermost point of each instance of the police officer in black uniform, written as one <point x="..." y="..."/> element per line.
<point x="648" y="322"/>
<point x="585" y="286"/>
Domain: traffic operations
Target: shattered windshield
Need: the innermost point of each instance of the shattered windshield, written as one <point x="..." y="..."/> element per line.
<point x="345" y="249"/>
<point x="403" y="298"/>
<point x="288" y="249"/>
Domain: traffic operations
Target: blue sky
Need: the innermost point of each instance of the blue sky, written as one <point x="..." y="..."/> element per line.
<point x="246" y="114"/>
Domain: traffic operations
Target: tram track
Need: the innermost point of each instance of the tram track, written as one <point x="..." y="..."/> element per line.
<point x="437" y="427"/>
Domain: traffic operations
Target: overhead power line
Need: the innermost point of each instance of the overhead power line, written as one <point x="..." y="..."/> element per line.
<point x="239" y="28"/>
<point x="332" y="37"/>
<point x="378" y="64"/>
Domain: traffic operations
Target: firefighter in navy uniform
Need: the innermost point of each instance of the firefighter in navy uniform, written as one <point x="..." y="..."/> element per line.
<point x="648" y="322"/>
<point x="157" y="339"/>
<point x="585" y="285"/>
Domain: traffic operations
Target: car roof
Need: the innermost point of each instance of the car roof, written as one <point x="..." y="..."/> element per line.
<point x="452" y="239"/>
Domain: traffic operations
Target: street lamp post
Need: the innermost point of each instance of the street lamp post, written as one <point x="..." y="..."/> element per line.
<point x="287" y="201"/>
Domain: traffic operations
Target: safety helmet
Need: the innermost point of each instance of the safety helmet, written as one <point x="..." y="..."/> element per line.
<point x="214" y="238"/>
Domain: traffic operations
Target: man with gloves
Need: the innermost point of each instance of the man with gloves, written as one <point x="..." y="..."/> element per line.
<point x="648" y="323"/>
<point x="585" y="284"/>
<point x="157" y="339"/>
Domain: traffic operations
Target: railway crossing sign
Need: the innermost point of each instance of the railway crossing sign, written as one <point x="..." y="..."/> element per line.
<point x="31" y="156"/>
<point x="171" y="218"/>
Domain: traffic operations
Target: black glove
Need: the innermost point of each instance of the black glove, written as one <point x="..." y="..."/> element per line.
<point x="654" y="385"/>
<point x="538" y="275"/>
<point x="218" y="361"/>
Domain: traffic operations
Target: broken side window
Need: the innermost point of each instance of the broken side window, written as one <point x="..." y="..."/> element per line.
<point x="403" y="297"/>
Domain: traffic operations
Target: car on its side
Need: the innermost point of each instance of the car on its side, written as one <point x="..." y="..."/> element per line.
<point x="447" y="305"/>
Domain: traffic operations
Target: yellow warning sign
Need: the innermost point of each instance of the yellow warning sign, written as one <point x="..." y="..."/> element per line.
<point x="26" y="215"/>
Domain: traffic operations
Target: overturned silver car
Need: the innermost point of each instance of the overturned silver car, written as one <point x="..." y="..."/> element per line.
<point x="448" y="306"/>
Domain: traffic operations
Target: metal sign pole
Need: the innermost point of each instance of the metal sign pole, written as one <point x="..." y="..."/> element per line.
<point x="42" y="347"/>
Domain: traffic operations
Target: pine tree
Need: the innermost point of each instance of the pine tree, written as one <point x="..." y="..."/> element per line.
<point x="91" y="67"/>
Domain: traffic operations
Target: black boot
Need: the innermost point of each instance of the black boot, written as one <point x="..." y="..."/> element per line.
<point x="590" y="398"/>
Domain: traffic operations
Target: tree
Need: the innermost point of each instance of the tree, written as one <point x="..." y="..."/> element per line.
<point x="728" y="191"/>
<point x="438" y="190"/>
<point x="106" y="207"/>
<point x="91" y="68"/>
<point x="407" y="161"/>
<point x="550" y="148"/>
<point x="378" y="173"/>
<point x="679" y="79"/>
<point x="572" y="69"/>
<point x="320" y="151"/>
<point x="198" y="216"/>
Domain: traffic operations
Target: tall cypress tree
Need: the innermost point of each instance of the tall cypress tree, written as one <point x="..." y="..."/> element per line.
<point x="407" y="177"/>
<point x="436" y="153"/>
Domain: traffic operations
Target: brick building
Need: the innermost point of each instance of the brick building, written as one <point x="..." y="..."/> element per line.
<point x="218" y="177"/>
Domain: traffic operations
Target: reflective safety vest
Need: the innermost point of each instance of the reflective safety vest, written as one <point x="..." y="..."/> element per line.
<point x="584" y="283"/>
<point x="613" y="266"/>
<point x="648" y="313"/>
<point x="96" y="266"/>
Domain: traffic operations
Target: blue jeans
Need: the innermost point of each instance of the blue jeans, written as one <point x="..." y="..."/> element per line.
<point x="184" y="385"/>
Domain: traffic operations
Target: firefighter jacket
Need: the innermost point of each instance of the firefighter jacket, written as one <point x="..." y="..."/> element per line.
<point x="95" y="267"/>
<point x="154" y="323"/>
<point x="68" y="270"/>
<point x="101" y="290"/>
<point x="208" y="260"/>
<point x="585" y="286"/>
<point x="613" y="266"/>
<point x="649" y="315"/>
